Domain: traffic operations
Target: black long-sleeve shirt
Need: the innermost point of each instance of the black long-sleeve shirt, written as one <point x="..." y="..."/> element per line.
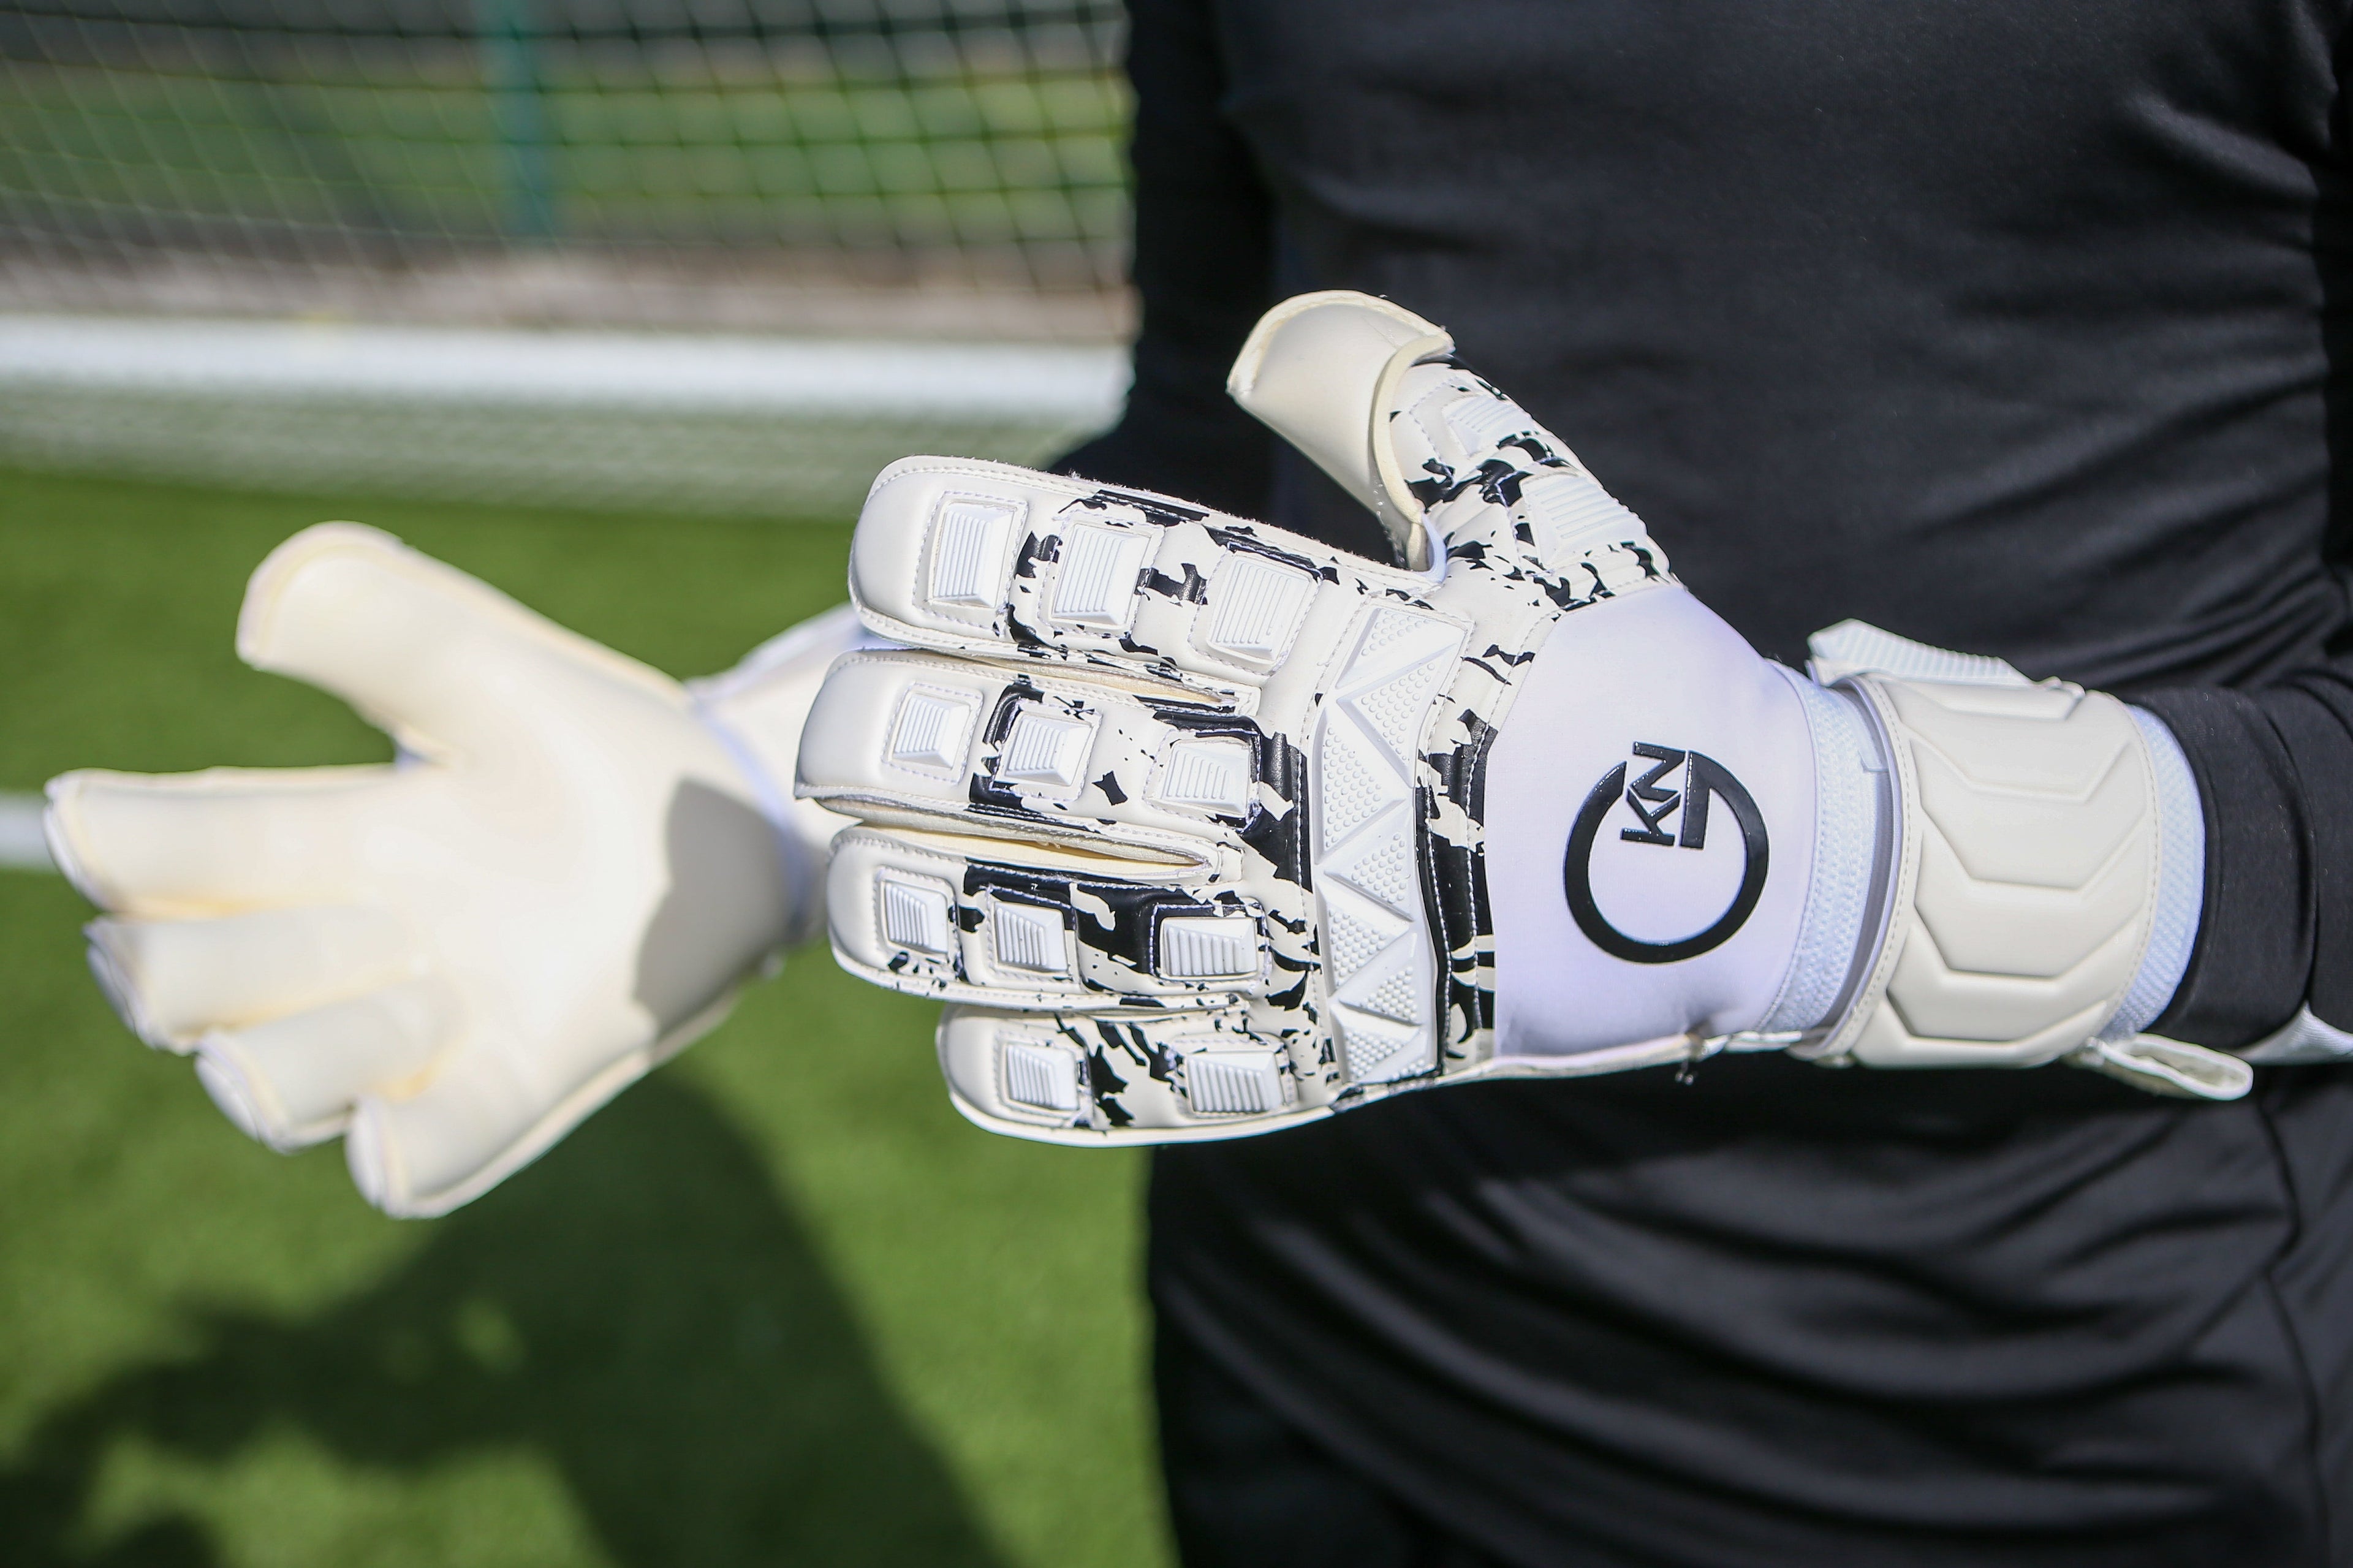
<point x="2012" y="326"/>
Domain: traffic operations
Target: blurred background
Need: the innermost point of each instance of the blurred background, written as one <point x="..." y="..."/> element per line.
<point x="717" y="254"/>
<point x="618" y="304"/>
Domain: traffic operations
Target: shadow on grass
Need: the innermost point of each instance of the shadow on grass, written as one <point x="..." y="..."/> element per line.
<point x="640" y="1308"/>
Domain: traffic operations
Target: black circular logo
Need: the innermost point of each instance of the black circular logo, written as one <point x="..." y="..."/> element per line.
<point x="1653" y="802"/>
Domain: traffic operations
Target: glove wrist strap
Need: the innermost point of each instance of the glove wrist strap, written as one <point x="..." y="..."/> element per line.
<point x="2025" y="879"/>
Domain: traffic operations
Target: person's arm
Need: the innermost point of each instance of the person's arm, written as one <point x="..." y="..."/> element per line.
<point x="1204" y="270"/>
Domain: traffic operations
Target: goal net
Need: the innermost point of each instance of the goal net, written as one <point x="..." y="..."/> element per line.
<point x="726" y="254"/>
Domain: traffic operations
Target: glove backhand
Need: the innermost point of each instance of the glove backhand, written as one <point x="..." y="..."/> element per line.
<point x="1204" y="828"/>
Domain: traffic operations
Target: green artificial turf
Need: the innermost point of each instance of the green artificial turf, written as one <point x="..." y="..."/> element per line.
<point x="778" y="1304"/>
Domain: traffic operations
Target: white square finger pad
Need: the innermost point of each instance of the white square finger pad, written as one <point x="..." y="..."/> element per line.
<point x="914" y="914"/>
<point x="968" y="541"/>
<point x="1212" y="774"/>
<point x="1232" y="1083"/>
<point x="1028" y="936"/>
<point x="932" y="731"/>
<point x="1208" y="947"/>
<point x="1044" y="1078"/>
<point x="1100" y="568"/>
<point x="1045" y="751"/>
<point x="1481" y="422"/>
<point x="1255" y="607"/>
<point x="1570" y="505"/>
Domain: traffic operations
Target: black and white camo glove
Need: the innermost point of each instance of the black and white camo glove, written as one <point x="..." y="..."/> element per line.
<point x="1205" y="828"/>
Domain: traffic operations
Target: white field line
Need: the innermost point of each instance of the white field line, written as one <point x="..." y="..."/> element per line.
<point x="992" y="383"/>
<point x="21" y="845"/>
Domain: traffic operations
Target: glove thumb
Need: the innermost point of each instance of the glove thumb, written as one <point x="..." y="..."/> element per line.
<point x="436" y="657"/>
<point x="1375" y="396"/>
<point x="1320" y="371"/>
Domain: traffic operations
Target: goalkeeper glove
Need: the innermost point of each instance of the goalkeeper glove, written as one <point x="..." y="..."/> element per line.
<point x="454" y="958"/>
<point x="1205" y="828"/>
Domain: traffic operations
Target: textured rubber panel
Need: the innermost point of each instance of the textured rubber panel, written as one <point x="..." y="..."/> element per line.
<point x="2027" y="881"/>
<point x="1385" y="965"/>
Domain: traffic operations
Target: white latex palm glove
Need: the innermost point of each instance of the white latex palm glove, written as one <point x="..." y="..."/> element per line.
<point x="1207" y="828"/>
<point x="455" y="957"/>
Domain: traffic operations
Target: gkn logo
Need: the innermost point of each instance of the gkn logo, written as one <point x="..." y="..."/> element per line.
<point x="1669" y="801"/>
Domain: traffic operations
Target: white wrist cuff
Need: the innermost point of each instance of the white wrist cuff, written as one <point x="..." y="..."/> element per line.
<point x="2180" y="883"/>
<point x="1846" y="905"/>
<point x="2048" y="877"/>
<point x="756" y="710"/>
<point x="1854" y="831"/>
<point x="2022" y="886"/>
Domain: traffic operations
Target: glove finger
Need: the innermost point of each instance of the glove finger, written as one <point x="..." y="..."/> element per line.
<point x="219" y="842"/>
<point x="981" y="749"/>
<point x="471" y="1126"/>
<point x="1373" y="395"/>
<point x="1496" y="477"/>
<point x="442" y="660"/>
<point x="1075" y="1079"/>
<point x="979" y="558"/>
<point x="1494" y="480"/>
<point x="172" y="980"/>
<point x="1311" y="371"/>
<point x="291" y="1081"/>
<point x="1026" y="926"/>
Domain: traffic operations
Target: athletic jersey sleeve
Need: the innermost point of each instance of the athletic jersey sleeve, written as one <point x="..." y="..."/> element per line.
<point x="1203" y="270"/>
<point x="2274" y="770"/>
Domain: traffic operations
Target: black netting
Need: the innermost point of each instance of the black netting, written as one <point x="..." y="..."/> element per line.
<point x="661" y="161"/>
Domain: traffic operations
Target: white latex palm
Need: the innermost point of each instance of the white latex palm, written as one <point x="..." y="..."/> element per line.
<point x="456" y="956"/>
